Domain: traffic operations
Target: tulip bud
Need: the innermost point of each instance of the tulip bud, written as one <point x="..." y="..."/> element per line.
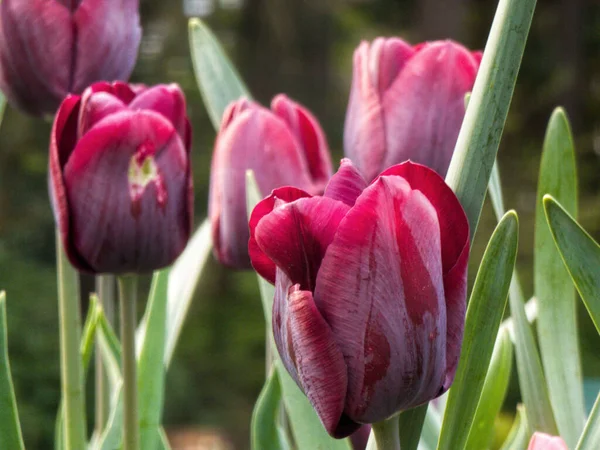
<point x="120" y="180"/>
<point x="407" y="103"/>
<point x="49" y="48"/>
<point x="370" y="290"/>
<point x="283" y="146"/>
<point x="543" y="441"/>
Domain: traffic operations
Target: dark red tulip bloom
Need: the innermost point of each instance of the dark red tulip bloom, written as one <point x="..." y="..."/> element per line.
<point x="407" y="102"/>
<point x="49" y="48"/>
<point x="120" y="181"/>
<point x="370" y="290"/>
<point x="543" y="441"/>
<point x="284" y="146"/>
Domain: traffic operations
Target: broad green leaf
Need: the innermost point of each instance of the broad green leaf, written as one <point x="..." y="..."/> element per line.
<point x="410" y="423"/>
<point x="591" y="433"/>
<point x="519" y="434"/>
<point x="217" y="78"/>
<point x="493" y="393"/>
<point x="150" y="366"/>
<point x="484" y="314"/>
<point x="557" y="323"/>
<point x="529" y="367"/>
<point x="265" y="433"/>
<point x="10" y="428"/>
<point x="479" y="137"/>
<point x="580" y="253"/>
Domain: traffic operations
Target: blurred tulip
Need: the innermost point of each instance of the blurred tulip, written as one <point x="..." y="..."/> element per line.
<point x="284" y="146"/>
<point x="370" y="290"/>
<point x="543" y="441"/>
<point x="49" y="48"/>
<point x="120" y="180"/>
<point x="407" y="103"/>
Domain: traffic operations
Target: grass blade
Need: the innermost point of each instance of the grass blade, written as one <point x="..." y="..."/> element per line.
<point x="591" y="434"/>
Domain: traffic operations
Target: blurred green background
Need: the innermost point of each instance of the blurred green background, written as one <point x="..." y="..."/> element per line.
<point x="303" y="48"/>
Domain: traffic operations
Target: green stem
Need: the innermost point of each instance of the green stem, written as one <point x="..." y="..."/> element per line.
<point x="385" y="435"/>
<point x="105" y="287"/>
<point x="128" y="302"/>
<point x="479" y="136"/>
<point x="69" y="315"/>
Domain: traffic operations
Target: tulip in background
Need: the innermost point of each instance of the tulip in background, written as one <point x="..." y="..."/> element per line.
<point x="370" y="290"/>
<point x="407" y="102"/>
<point x="543" y="441"/>
<point x="284" y="146"/>
<point x="49" y="48"/>
<point x="121" y="186"/>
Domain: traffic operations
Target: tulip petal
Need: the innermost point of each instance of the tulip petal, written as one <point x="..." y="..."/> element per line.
<point x="454" y="231"/>
<point x="108" y="34"/>
<point x="346" y="184"/>
<point x="117" y="224"/>
<point x="543" y="441"/>
<point x="387" y="58"/>
<point x="167" y="100"/>
<point x="295" y="236"/>
<point x="310" y="136"/>
<point x="96" y="106"/>
<point x="425" y="105"/>
<point x="310" y="353"/>
<point x="380" y="288"/>
<point x="261" y="262"/>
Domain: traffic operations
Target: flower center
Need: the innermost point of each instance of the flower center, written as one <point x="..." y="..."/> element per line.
<point x="142" y="172"/>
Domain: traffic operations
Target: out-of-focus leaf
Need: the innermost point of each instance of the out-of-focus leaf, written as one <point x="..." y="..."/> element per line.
<point x="410" y="424"/>
<point x="10" y="428"/>
<point x="495" y="190"/>
<point x="529" y="367"/>
<point x="217" y="78"/>
<point x="430" y="433"/>
<point x="591" y="433"/>
<point x="484" y="314"/>
<point x="265" y="433"/>
<point x="493" y="393"/>
<point x="557" y="322"/>
<point x="2" y="106"/>
<point x="519" y="434"/>
<point x="150" y="366"/>
<point x="580" y="253"/>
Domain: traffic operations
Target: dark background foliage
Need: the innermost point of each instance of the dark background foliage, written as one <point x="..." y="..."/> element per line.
<point x="303" y="48"/>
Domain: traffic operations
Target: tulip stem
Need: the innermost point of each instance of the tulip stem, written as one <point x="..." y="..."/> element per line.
<point x="71" y="371"/>
<point x="105" y="287"/>
<point x="385" y="435"/>
<point x="128" y="303"/>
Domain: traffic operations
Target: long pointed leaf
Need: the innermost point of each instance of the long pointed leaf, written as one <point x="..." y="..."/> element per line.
<point x="557" y="321"/>
<point x="217" y="78"/>
<point x="410" y="424"/>
<point x="518" y="436"/>
<point x="591" y="434"/>
<point x="484" y="314"/>
<point x="10" y="428"/>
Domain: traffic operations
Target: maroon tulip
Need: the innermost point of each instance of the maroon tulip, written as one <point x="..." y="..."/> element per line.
<point x="543" y="441"/>
<point x="370" y="290"/>
<point x="120" y="180"/>
<point x="284" y="146"/>
<point x="49" y="48"/>
<point x="407" y="103"/>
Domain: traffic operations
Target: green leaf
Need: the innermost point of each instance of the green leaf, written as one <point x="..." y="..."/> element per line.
<point x="591" y="433"/>
<point x="557" y="321"/>
<point x="430" y="433"/>
<point x="484" y="314"/>
<point x="150" y="366"/>
<point x="265" y="433"/>
<point x="2" y="106"/>
<point x="519" y="434"/>
<point x="529" y="367"/>
<point x="217" y="78"/>
<point x="495" y="190"/>
<point x="493" y="393"/>
<point x="410" y="424"/>
<point x="479" y="137"/>
<point x="580" y="253"/>
<point x="10" y="428"/>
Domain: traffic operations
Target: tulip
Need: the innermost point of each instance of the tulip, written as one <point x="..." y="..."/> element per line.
<point x="120" y="181"/>
<point x="407" y="102"/>
<point x="370" y="290"/>
<point x="543" y="441"/>
<point x="283" y="146"/>
<point x="49" y="48"/>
